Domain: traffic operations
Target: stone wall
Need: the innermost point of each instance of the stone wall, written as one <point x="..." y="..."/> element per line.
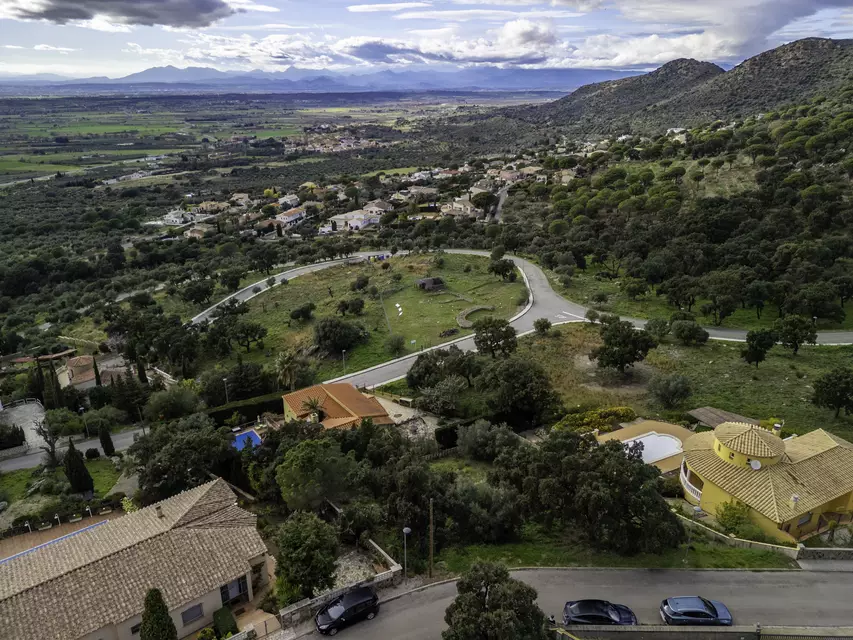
<point x="828" y="553"/>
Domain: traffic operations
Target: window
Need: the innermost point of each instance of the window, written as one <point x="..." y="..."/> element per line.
<point x="135" y="628"/>
<point x="732" y="456"/>
<point x="192" y="614"/>
<point x="234" y="590"/>
<point x="804" y="520"/>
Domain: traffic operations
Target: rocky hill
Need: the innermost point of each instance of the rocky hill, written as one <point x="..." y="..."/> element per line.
<point x="687" y="92"/>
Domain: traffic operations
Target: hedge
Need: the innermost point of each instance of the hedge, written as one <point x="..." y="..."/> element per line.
<point x="224" y="622"/>
<point x="602" y="419"/>
<point x="447" y="436"/>
<point x="250" y="408"/>
<point x="11" y="436"/>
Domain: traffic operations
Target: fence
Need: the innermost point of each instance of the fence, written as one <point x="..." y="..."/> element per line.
<point x="754" y="632"/>
<point x="791" y="552"/>
<point x="444" y="453"/>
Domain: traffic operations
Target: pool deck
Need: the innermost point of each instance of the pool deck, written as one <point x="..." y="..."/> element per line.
<point x="643" y="427"/>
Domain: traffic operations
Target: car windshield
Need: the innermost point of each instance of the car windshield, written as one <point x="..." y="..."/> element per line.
<point x="335" y="610"/>
<point x="709" y="608"/>
<point x="613" y="613"/>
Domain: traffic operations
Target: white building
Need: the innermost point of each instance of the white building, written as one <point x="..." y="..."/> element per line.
<point x="177" y="217"/>
<point x="290" y="200"/>
<point x="291" y="217"/>
<point x="353" y="220"/>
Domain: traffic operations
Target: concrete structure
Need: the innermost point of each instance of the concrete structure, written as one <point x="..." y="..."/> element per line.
<point x="177" y="218"/>
<point x="291" y="200"/>
<point x="663" y="443"/>
<point x="199" y="231"/>
<point x="378" y="207"/>
<point x="792" y="487"/>
<point x="199" y="548"/>
<point x="713" y="417"/>
<point x="341" y="406"/>
<point x="430" y="284"/>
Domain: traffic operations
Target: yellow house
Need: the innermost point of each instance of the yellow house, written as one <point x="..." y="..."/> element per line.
<point x="793" y="487"/>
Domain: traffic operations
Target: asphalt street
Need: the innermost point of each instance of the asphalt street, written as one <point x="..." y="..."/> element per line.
<point x="121" y="441"/>
<point x="796" y="598"/>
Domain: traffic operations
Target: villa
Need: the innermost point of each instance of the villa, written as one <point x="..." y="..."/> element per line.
<point x="793" y="487"/>
<point x="339" y="405"/>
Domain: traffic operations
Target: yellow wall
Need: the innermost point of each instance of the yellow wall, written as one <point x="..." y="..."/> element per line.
<point x="288" y="412"/>
<point x="738" y="459"/>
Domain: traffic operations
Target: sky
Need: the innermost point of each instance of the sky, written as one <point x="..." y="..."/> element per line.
<point x="82" y="38"/>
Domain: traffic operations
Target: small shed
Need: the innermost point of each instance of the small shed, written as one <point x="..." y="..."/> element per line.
<point x="431" y="284"/>
<point x="713" y="417"/>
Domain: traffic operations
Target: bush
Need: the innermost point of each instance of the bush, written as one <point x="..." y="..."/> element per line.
<point x="224" y="622"/>
<point x="447" y="437"/>
<point x="689" y="333"/>
<point x="334" y="335"/>
<point x="592" y="315"/>
<point x="732" y="516"/>
<point x="600" y="297"/>
<point x="602" y="419"/>
<point x="542" y="326"/>
<point x="670" y="486"/>
<point x="670" y="390"/>
<point x="206" y="634"/>
<point x="395" y="344"/>
<point x="11" y="436"/>
<point x="658" y="328"/>
<point x="92" y="454"/>
<point x="359" y="283"/>
<point x="523" y="298"/>
<point x="485" y="441"/>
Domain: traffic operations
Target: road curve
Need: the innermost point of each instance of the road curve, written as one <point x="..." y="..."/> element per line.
<point x="547" y="303"/>
<point x="794" y="598"/>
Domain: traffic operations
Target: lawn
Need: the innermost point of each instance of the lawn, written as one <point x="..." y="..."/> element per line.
<point x="13" y="484"/>
<point x="585" y="285"/>
<point x="541" y="548"/>
<point x="472" y="469"/>
<point x="780" y="387"/>
<point x="424" y="314"/>
<point x="399" y="171"/>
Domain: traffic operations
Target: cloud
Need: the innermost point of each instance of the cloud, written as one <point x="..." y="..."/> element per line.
<point x="13" y="46"/>
<point x="494" y="15"/>
<point x="175" y="13"/>
<point x="392" y="6"/>
<point x="250" y="5"/>
<point x="50" y="47"/>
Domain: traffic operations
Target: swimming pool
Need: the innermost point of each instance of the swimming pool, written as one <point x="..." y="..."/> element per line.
<point x="657" y="446"/>
<point x="250" y="438"/>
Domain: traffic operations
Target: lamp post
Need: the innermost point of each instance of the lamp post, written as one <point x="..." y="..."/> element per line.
<point x="345" y="360"/>
<point x="225" y="381"/>
<point x="82" y="410"/>
<point x="406" y="532"/>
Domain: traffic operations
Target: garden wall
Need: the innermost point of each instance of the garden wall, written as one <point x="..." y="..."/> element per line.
<point x="791" y="552"/>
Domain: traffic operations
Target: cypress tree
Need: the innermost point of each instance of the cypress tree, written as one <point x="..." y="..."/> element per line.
<point x="156" y="622"/>
<point x="140" y="370"/>
<point x="106" y="440"/>
<point x="76" y="471"/>
<point x="95" y="367"/>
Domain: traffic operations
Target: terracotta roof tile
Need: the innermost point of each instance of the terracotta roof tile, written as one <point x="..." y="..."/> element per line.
<point x="749" y="440"/>
<point x="342" y="404"/>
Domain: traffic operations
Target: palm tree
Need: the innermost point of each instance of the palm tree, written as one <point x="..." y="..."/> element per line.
<point x="287" y="369"/>
<point x="315" y="405"/>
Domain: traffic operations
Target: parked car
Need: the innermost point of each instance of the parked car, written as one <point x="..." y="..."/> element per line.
<point x="359" y="604"/>
<point x="597" y="612"/>
<point x="695" y="610"/>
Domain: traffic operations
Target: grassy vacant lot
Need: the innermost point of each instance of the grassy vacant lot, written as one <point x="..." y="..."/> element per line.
<point x="474" y="470"/>
<point x="13" y="485"/>
<point x="780" y="387"/>
<point x="425" y="314"/>
<point x="542" y="548"/>
<point x="585" y="285"/>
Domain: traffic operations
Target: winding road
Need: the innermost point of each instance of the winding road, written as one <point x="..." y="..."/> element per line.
<point x="790" y="598"/>
<point x="545" y="303"/>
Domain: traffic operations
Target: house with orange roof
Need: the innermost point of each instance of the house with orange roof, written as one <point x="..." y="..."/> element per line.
<point x="336" y="406"/>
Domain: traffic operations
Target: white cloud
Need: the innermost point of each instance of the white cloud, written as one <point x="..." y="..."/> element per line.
<point x="13" y="46"/>
<point x="494" y="15"/>
<point x="249" y="5"/>
<point x="392" y="6"/>
<point x="275" y="26"/>
<point x="50" y="47"/>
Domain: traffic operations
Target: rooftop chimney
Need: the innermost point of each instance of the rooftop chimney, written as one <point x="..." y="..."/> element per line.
<point x="159" y="511"/>
<point x="777" y="429"/>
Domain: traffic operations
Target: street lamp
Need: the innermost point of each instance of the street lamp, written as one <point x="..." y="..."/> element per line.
<point x="225" y="381"/>
<point x="82" y="410"/>
<point x="345" y="360"/>
<point x="406" y="532"/>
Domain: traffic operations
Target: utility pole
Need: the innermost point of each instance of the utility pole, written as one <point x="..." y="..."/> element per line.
<point x="431" y="529"/>
<point x="387" y="321"/>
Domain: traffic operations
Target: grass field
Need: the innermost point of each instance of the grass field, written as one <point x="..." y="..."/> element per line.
<point x="471" y="469"/>
<point x="425" y="315"/>
<point x="391" y="172"/>
<point x="541" y="548"/>
<point x="585" y="285"/>
<point x="13" y="484"/>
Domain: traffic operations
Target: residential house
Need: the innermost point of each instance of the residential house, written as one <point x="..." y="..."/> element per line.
<point x="431" y="284"/>
<point x="531" y="171"/>
<point x="177" y="217"/>
<point x="199" y="548"/>
<point x="792" y="487"/>
<point x="378" y="207"/>
<point x="402" y="196"/>
<point x="461" y="207"/>
<point x="241" y="199"/>
<point x="212" y="207"/>
<point x="291" y="200"/>
<point x="340" y="405"/>
<point x="353" y="220"/>
<point x="292" y="217"/>
<point x="79" y="372"/>
<point x="510" y="175"/>
<point x="199" y="231"/>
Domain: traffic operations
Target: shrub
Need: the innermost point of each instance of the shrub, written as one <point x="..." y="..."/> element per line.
<point x="523" y="298"/>
<point x="334" y="335"/>
<point x="670" y="390"/>
<point x="732" y="516"/>
<point x="11" y="436"/>
<point x="224" y="622"/>
<point x="92" y="453"/>
<point x="592" y="315"/>
<point x="670" y="486"/>
<point x="542" y="326"/>
<point x="359" y="283"/>
<point x="658" y="328"/>
<point x="206" y="634"/>
<point x="599" y="297"/>
<point x="447" y="437"/>
<point x="602" y="419"/>
<point x="485" y="441"/>
<point x="689" y="333"/>
<point x="395" y="344"/>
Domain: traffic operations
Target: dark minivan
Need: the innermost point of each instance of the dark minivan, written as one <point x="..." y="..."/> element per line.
<point x="359" y="604"/>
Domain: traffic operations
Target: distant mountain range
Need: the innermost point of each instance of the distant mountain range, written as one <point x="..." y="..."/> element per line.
<point x="295" y="80"/>
<point x="687" y="92"/>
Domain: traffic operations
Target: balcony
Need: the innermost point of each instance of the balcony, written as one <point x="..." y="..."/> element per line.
<point x="689" y="487"/>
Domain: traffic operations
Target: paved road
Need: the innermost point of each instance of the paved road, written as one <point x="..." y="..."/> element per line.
<point x="765" y="597"/>
<point x="121" y="441"/>
<point x="546" y="304"/>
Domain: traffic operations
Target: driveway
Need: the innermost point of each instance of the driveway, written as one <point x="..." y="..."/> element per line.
<point x="796" y="598"/>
